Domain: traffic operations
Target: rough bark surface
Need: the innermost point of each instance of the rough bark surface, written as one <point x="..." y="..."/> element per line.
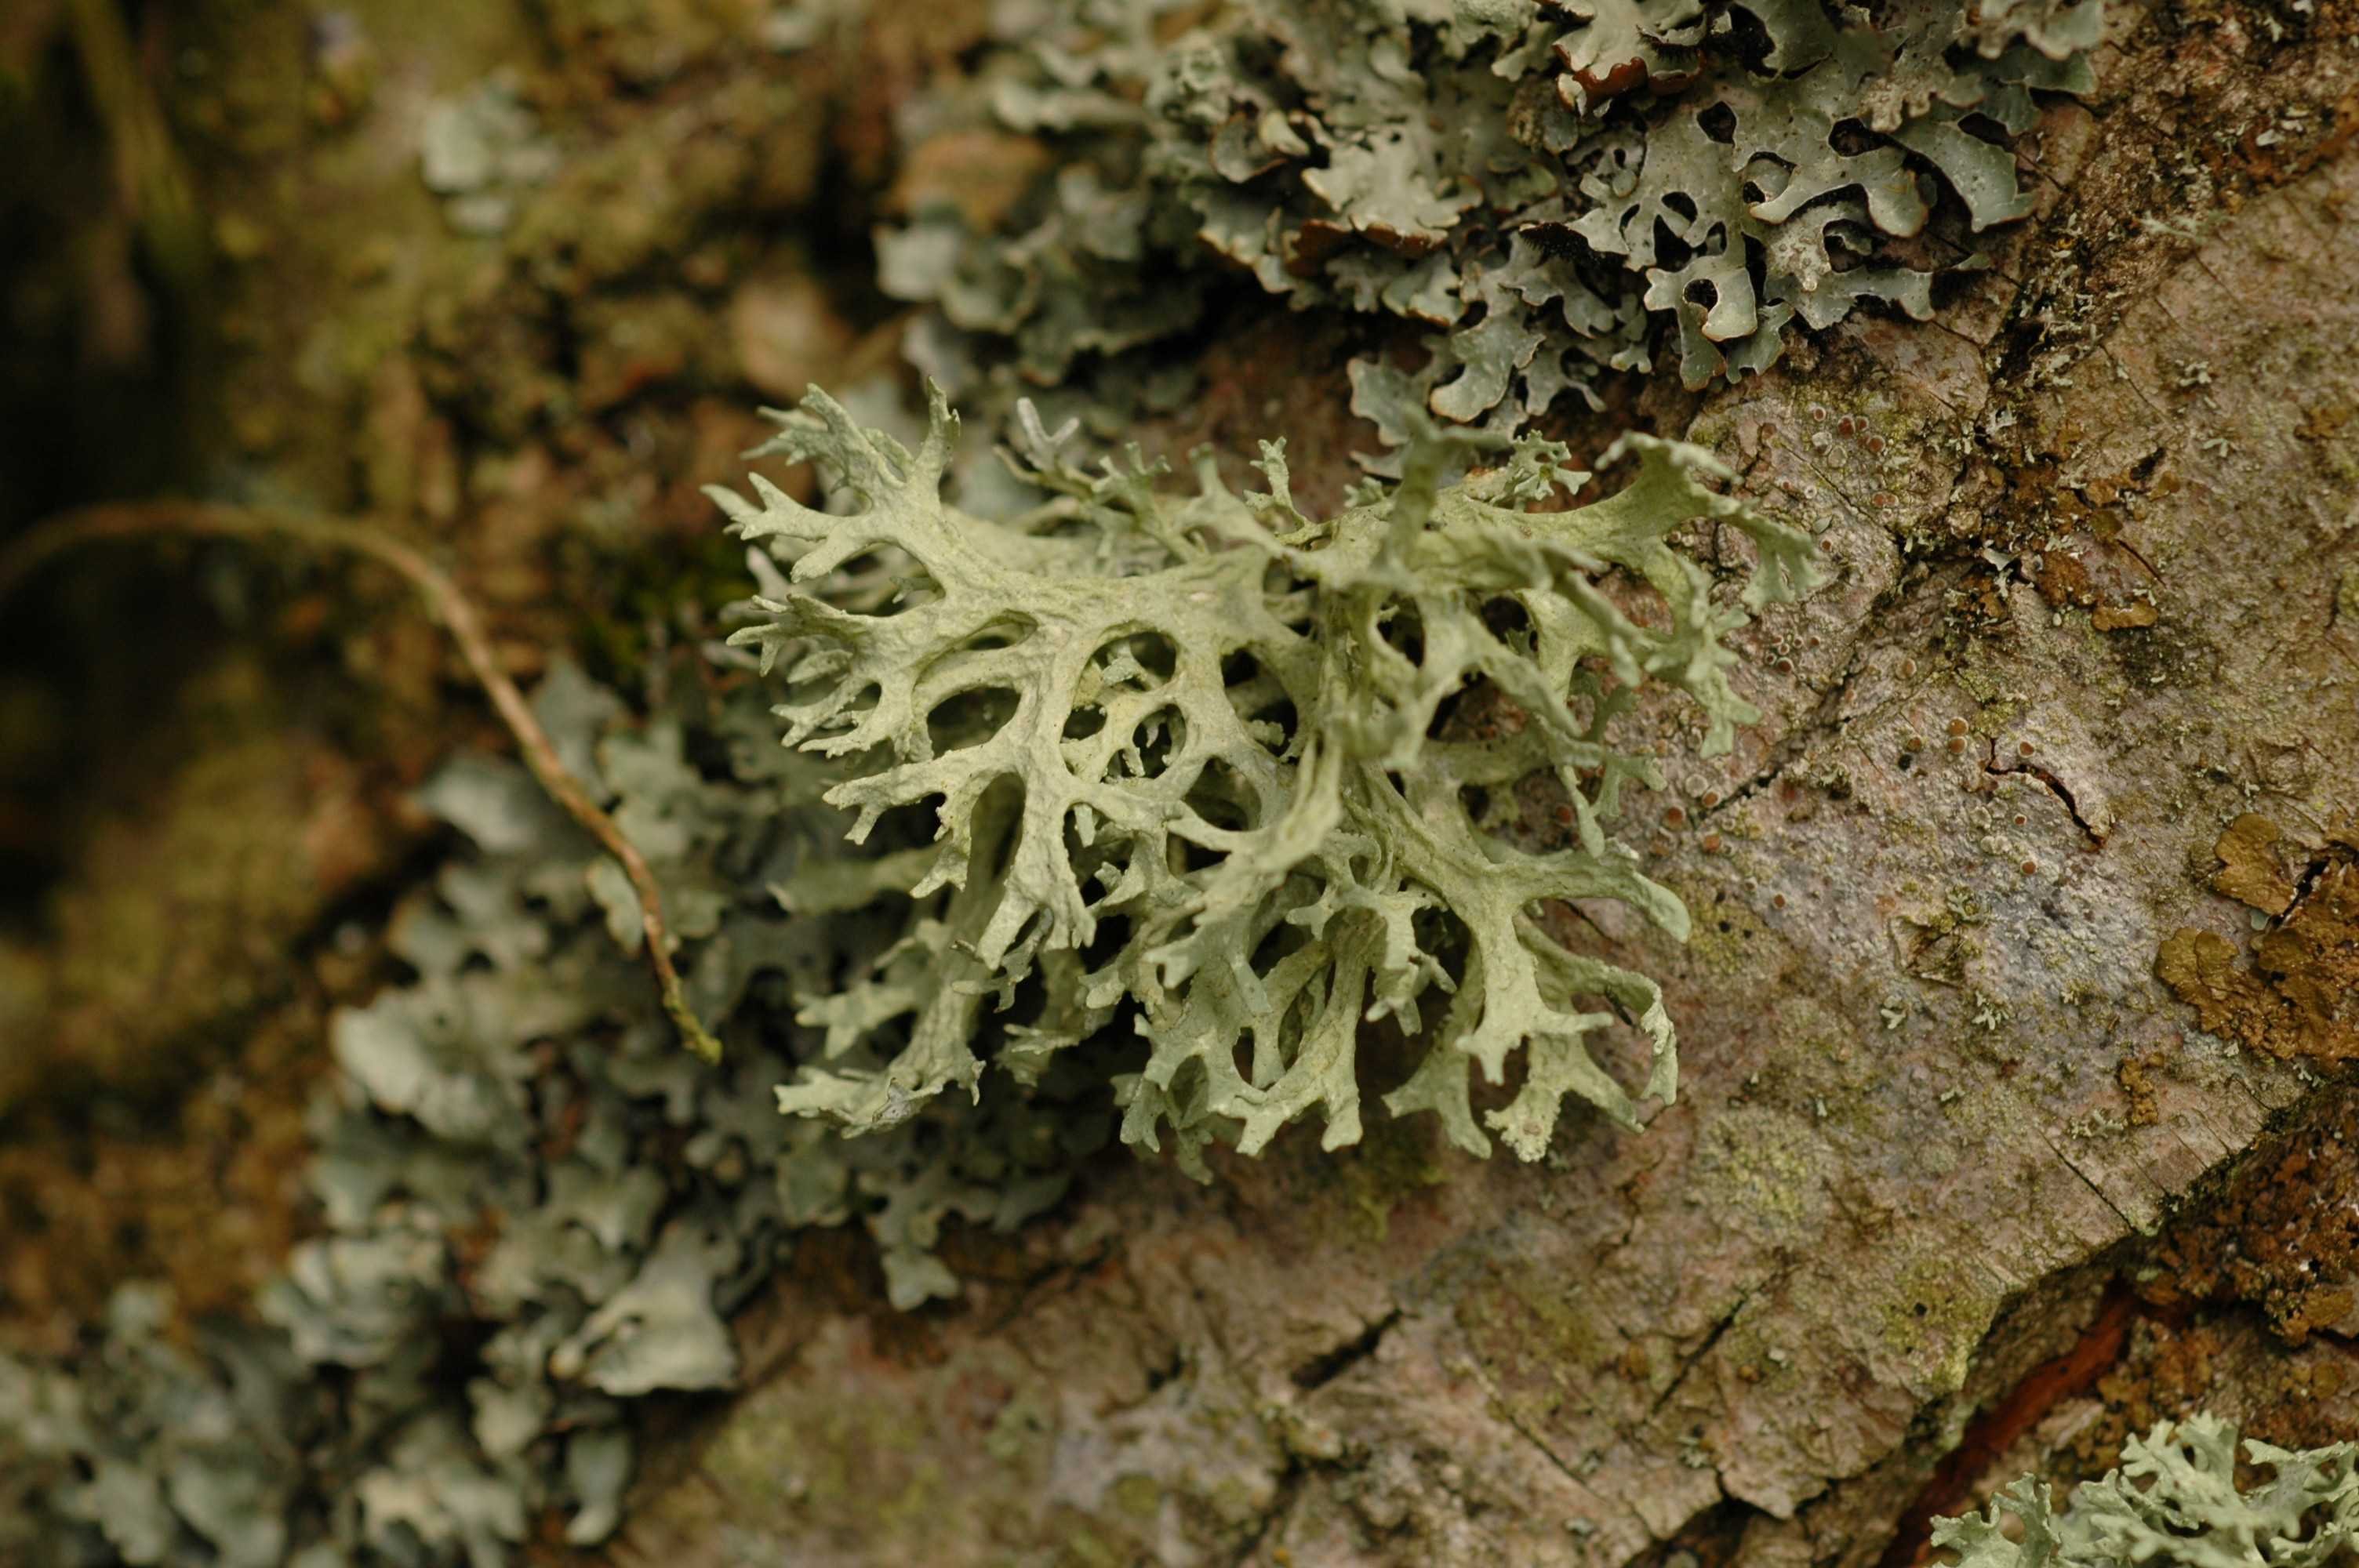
<point x="1935" y="1086"/>
<point x="2026" y="926"/>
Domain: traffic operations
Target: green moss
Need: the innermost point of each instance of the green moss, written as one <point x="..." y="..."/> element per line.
<point x="1080" y="1546"/>
<point x="1024" y="1427"/>
<point x="789" y="1460"/>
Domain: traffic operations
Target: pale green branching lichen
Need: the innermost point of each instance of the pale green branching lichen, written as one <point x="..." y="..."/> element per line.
<point x="1182" y="766"/>
<point x="1185" y="766"/>
<point x="1182" y="756"/>
<point x="2175" y="1499"/>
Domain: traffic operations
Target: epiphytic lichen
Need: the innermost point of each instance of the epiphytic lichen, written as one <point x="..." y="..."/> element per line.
<point x="2294" y="999"/>
<point x="536" y="1207"/>
<point x="1132" y="763"/>
<point x="1179" y="755"/>
<point x="1535" y="183"/>
<point x="2175" y="1499"/>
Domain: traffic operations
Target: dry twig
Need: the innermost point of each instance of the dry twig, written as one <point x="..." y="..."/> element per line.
<point x="21" y="557"/>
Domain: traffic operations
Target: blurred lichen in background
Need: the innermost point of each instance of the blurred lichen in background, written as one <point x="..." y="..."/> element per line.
<point x="1548" y="193"/>
<point x="538" y="1207"/>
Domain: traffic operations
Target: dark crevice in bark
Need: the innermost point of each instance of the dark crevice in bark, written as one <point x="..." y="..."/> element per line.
<point x="1689" y="1362"/>
<point x="2306" y="885"/>
<point x="1997" y="1428"/>
<point x="2105" y="1345"/>
<point x="1824" y="718"/>
<point x="1709" y="1539"/>
<point x="2056" y="787"/>
<point x="1324" y="1368"/>
<point x="1289" y="1484"/>
<point x="1168" y="1368"/>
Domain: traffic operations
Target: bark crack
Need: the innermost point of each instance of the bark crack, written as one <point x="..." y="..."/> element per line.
<point x="1824" y="718"/>
<point x="1505" y="1412"/>
<point x="1689" y="1362"/>
<point x="1996" y="1429"/>
<point x="1329" y="1365"/>
<point x="1824" y="721"/>
<point x="2091" y="1183"/>
<point x="1290" y="1485"/>
<point x="2055" y="786"/>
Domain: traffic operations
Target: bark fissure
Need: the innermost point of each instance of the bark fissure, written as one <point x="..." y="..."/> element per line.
<point x="1325" y="1367"/>
<point x="1689" y="1362"/>
<point x="2031" y="769"/>
<point x="1824" y="721"/>
<point x="2006" y="1419"/>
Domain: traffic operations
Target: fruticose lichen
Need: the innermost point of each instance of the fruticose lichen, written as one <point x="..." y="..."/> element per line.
<point x="2175" y="1499"/>
<point x="1131" y="763"/>
<point x="1180" y="755"/>
<point x="1536" y="182"/>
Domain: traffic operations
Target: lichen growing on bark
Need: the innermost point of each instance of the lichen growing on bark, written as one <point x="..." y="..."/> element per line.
<point x="1539" y="186"/>
<point x="1179" y="755"/>
<point x="2176" y="1499"/>
<point x="536" y="1208"/>
<point x="2296" y="997"/>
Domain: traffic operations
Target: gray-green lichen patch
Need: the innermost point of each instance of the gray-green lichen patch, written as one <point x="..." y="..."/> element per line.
<point x="1537" y="187"/>
<point x="536" y="1210"/>
<point x="2176" y="1499"/>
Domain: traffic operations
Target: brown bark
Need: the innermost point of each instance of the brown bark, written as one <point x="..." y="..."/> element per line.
<point x="2024" y="943"/>
<point x="2090" y="526"/>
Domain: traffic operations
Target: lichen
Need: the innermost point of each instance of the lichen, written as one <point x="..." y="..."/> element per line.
<point x="2176" y="1499"/>
<point x="536" y="1210"/>
<point x="1537" y="185"/>
<point x="1179" y="755"/>
<point x="2295" y="997"/>
<point x="1135" y="764"/>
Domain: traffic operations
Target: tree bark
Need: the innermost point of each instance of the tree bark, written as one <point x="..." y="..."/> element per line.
<point x="2013" y="1110"/>
<point x="2079" y="717"/>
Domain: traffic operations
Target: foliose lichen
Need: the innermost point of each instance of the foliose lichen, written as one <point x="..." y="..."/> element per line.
<point x="2176" y="1499"/>
<point x="1537" y="183"/>
<point x="536" y="1209"/>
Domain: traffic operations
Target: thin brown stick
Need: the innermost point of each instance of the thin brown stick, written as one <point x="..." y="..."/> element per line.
<point x="25" y="554"/>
